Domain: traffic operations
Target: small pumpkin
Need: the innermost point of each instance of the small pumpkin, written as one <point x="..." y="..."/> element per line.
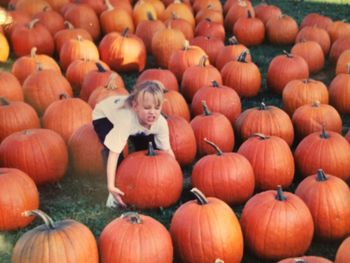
<point x="339" y="90"/>
<point x="281" y="30"/>
<point x="343" y="255"/>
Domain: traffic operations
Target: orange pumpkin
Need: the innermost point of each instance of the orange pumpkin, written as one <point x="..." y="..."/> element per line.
<point x="281" y="30"/>
<point x="343" y="254"/>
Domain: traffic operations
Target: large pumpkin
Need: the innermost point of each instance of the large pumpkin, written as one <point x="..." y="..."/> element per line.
<point x="281" y="30"/>
<point x="227" y="176"/>
<point x="146" y="240"/>
<point x="157" y="170"/>
<point x="271" y="159"/>
<point x="10" y="87"/>
<point x="327" y="150"/>
<point x="18" y="194"/>
<point x="339" y="92"/>
<point x="206" y="229"/>
<point x="343" y="252"/>
<point x="277" y="225"/>
<point x="50" y="241"/>
<point x="328" y="198"/>
<point x="28" y="150"/>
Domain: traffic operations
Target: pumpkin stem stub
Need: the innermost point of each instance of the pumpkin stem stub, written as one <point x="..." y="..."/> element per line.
<point x="324" y="134"/>
<point x="133" y="217"/>
<point x="100" y="68"/>
<point x="206" y="111"/>
<point x="202" y="200"/>
<point x="321" y="176"/>
<point x="262" y="106"/>
<point x="215" y="84"/>
<point x="151" y="151"/>
<point x="36" y="212"/>
<point x="280" y="196"/>
<point x="4" y="101"/>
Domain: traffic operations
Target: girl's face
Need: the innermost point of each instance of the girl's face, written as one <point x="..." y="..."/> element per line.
<point x="147" y="109"/>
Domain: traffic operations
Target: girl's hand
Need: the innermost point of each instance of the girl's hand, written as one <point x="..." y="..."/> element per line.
<point x="117" y="194"/>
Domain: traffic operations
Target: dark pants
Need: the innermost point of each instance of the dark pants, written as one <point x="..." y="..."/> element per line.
<point x="138" y="142"/>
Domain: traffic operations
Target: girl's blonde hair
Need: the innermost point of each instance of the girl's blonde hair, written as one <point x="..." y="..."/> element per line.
<point x="153" y="87"/>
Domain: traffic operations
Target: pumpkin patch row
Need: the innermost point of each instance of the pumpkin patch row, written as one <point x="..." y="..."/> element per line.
<point x="46" y="127"/>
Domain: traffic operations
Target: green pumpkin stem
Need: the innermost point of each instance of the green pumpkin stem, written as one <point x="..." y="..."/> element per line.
<point x="4" y="101"/>
<point x="321" y="176"/>
<point x="133" y="217"/>
<point x="242" y="57"/>
<point x="280" y="196"/>
<point x="215" y="84"/>
<point x="202" y="200"/>
<point x="206" y="111"/>
<point x="36" y="212"/>
<point x="262" y="106"/>
<point x="217" y="149"/>
<point x="249" y="14"/>
<point x="324" y="134"/>
<point x="289" y="55"/>
<point x="100" y="68"/>
<point x="151" y="151"/>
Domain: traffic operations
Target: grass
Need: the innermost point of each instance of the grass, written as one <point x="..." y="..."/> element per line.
<point x="83" y="199"/>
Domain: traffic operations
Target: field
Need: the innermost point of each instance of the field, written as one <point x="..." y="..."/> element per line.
<point x="83" y="199"/>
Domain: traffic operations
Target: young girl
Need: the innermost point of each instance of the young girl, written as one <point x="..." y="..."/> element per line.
<point x="136" y="117"/>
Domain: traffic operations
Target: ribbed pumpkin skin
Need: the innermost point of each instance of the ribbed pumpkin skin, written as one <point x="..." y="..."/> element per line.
<point x="182" y="139"/>
<point x="271" y="159"/>
<point x="265" y="11"/>
<point x="16" y="116"/>
<point x="331" y="154"/>
<point x="339" y="92"/>
<point x="329" y="203"/>
<point x="85" y="152"/>
<point x="316" y="20"/>
<point x="149" y="181"/>
<point x="41" y="153"/>
<point x="144" y="242"/>
<point x="343" y="252"/>
<point x="69" y="242"/>
<point x="175" y="104"/>
<point x="268" y="120"/>
<point x="306" y="259"/>
<point x="312" y="52"/>
<point x="229" y="177"/>
<point x="316" y="34"/>
<point x="211" y="231"/>
<point x="342" y="63"/>
<point x="67" y="115"/>
<point x="281" y="30"/>
<point x="275" y="229"/>
<point x="10" y="87"/>
<point x="165" y="76"/>
<point x="18" y="194"/>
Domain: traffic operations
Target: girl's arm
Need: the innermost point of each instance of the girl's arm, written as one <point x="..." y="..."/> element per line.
<point x="111" y="170"/>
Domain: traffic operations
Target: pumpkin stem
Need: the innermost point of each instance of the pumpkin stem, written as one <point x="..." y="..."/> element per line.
<point x="217" y="149"/>
<point x="33" y="52"/>
<point x="133" y="217"/>
<point x="242" y="56"/>
<point x="68" y="25"/>
<point x="306" y="81"/>
<point x="150" y="16"/>
<point x="125" y="32"/>
<point x="218" y="260"/>
<point x="186" y="45"/>
<point x="316" y="104"/>
<point x="261" y="136"/>
<point x="348" y="67"/>
<point x="36" y="212"/>
<point x="289" y="55"/>
<point x="4" y="101"/>
<point x="109" y="5"/>
<point x="215" y="84"/>
<point x="300" y="260"/>
<point x="321" y="176"/>
<point x="63" y="96"/>
<point x="280" y="196"/>
<point x="324" y="134"/>
<point x="202" y="200"/>
<point x="262" y="106"/>
<point x="32" y="23"/>
<point x="100" y="67"/>
<point x="232" y="40"/>
<point x="249" y="14"/>
<point x="206" y="111"/>
<point x="151" y="151"/>
<point x="111" y="82"/>
<point x="203" y="61"/>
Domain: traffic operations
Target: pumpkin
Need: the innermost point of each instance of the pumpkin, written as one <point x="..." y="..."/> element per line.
<point x="327" y="150"/>
<point x="14" y="18"/>
<point x="85" y="152"/>
<point x="316" y="34"/>
<point x="265" y="11"/>
<point x="299" y="92"/>
<point x="182" y="139"/>
<point x="57" y="4"/>
<point x="242" y="76"/>
<point x="147" y="240"/>
<point x="284" y="68"/>
<point x="343" y="62"/>
<point x="277" y="225"/>
<point x="158" y="170"/>
<point x="180" y="24"/>
<point x="337" y="48"/>
<point x="343" y="255"/>
<point x="210" y="45"/>
<point x="23" y="66"/>
<point x="210" y="29"/>
<point x="51" y="19"/>
<point x="28" y="150"/>
<point x="175" y="105"/>
<point x="49" y="241"/>
<point x="97" y="5"/>
<point x="338" y="92"/>
<point x="219" y="98"/>
<point x="201" y="4"/>
<point x="66" y="115"/>
<point x="123" y="51"/>
<point x="231" y="52"/>
<point x="215" y="127"/>
<point x="338" y="30"/>
<point x="227" y="176"/>
<point x="18" y="194"/>
<point x="305" y="259"/>
<point x="33" y="34"/>
<point x="328" y="198"/>
<point x="165" y="76"/>
<point x="32" y="7"/>
<point x="16" y="116"/>
<point x="43" y="87"/>
<point x="5" y="48"/>
<point x="249" y="31"/>
<point x="272" y="161"/>
<point x="281" y="30"/>
<point x="211" y="13"/>
<point x="268" y="120"/>
<point x="236" y="10"/>
<point x="197" y="76"/>
<point x="10" y="88"/>
<point x="312" y="52"/>
<point x="310" y="118"/>
<point x="316" y="20"/>
<point x="181" y="10"/>
<point x="206" y="236"/>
